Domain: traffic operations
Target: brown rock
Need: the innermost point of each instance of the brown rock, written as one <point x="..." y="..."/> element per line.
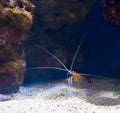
<point x="15" y="20"/>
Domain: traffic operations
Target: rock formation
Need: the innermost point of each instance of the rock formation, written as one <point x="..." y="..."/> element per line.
<point x="15" y="19"/>
<point x="111" y="11"/>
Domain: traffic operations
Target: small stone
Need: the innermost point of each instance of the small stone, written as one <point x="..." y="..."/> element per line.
<point x="5" y="97"/>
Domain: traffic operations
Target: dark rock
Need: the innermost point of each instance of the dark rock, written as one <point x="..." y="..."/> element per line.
<point x="15" y="20"/>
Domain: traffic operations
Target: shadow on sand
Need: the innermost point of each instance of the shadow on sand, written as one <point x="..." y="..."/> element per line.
<point x="102" y="92"/>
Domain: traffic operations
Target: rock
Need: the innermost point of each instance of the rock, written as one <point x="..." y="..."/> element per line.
<point x="25" y="91"/>
<point x="15" y="19"/>
<point x="111" y="11"/>
<point x="5" y="97"/>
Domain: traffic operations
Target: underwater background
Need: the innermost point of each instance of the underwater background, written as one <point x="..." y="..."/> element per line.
<point x="59" y="27"/>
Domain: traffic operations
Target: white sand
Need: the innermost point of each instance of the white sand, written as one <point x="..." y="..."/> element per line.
<point x="100" y="97"/>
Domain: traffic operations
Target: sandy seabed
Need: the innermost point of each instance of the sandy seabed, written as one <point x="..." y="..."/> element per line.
<point x="102" y="96"/>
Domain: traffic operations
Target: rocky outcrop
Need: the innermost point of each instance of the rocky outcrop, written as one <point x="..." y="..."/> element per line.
<point x="15" y="20"/>
<point x="111" y="11"/>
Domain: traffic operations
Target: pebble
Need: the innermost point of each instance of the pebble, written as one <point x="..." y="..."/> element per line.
<point x="5" y="97"/>
<point x="25" y="91"/>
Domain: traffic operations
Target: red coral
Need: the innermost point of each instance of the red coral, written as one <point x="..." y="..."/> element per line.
<point x="111" y="10"/>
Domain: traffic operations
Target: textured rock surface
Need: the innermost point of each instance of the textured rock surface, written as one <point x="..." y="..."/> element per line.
<point x="15" y="20"/>
<point x="111" y="11"/>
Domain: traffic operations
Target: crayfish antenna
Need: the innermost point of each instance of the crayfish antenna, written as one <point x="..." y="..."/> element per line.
<point x="53" y="57"/>
<point x="69" y="71"/>
<point x="78" y="50"/>
<point x="56" y="68"/>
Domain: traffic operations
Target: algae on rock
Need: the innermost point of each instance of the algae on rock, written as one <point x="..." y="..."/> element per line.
<point x="15" y="19"/>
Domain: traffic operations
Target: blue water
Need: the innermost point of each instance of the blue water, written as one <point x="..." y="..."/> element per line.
<point x="104" y="43"/>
